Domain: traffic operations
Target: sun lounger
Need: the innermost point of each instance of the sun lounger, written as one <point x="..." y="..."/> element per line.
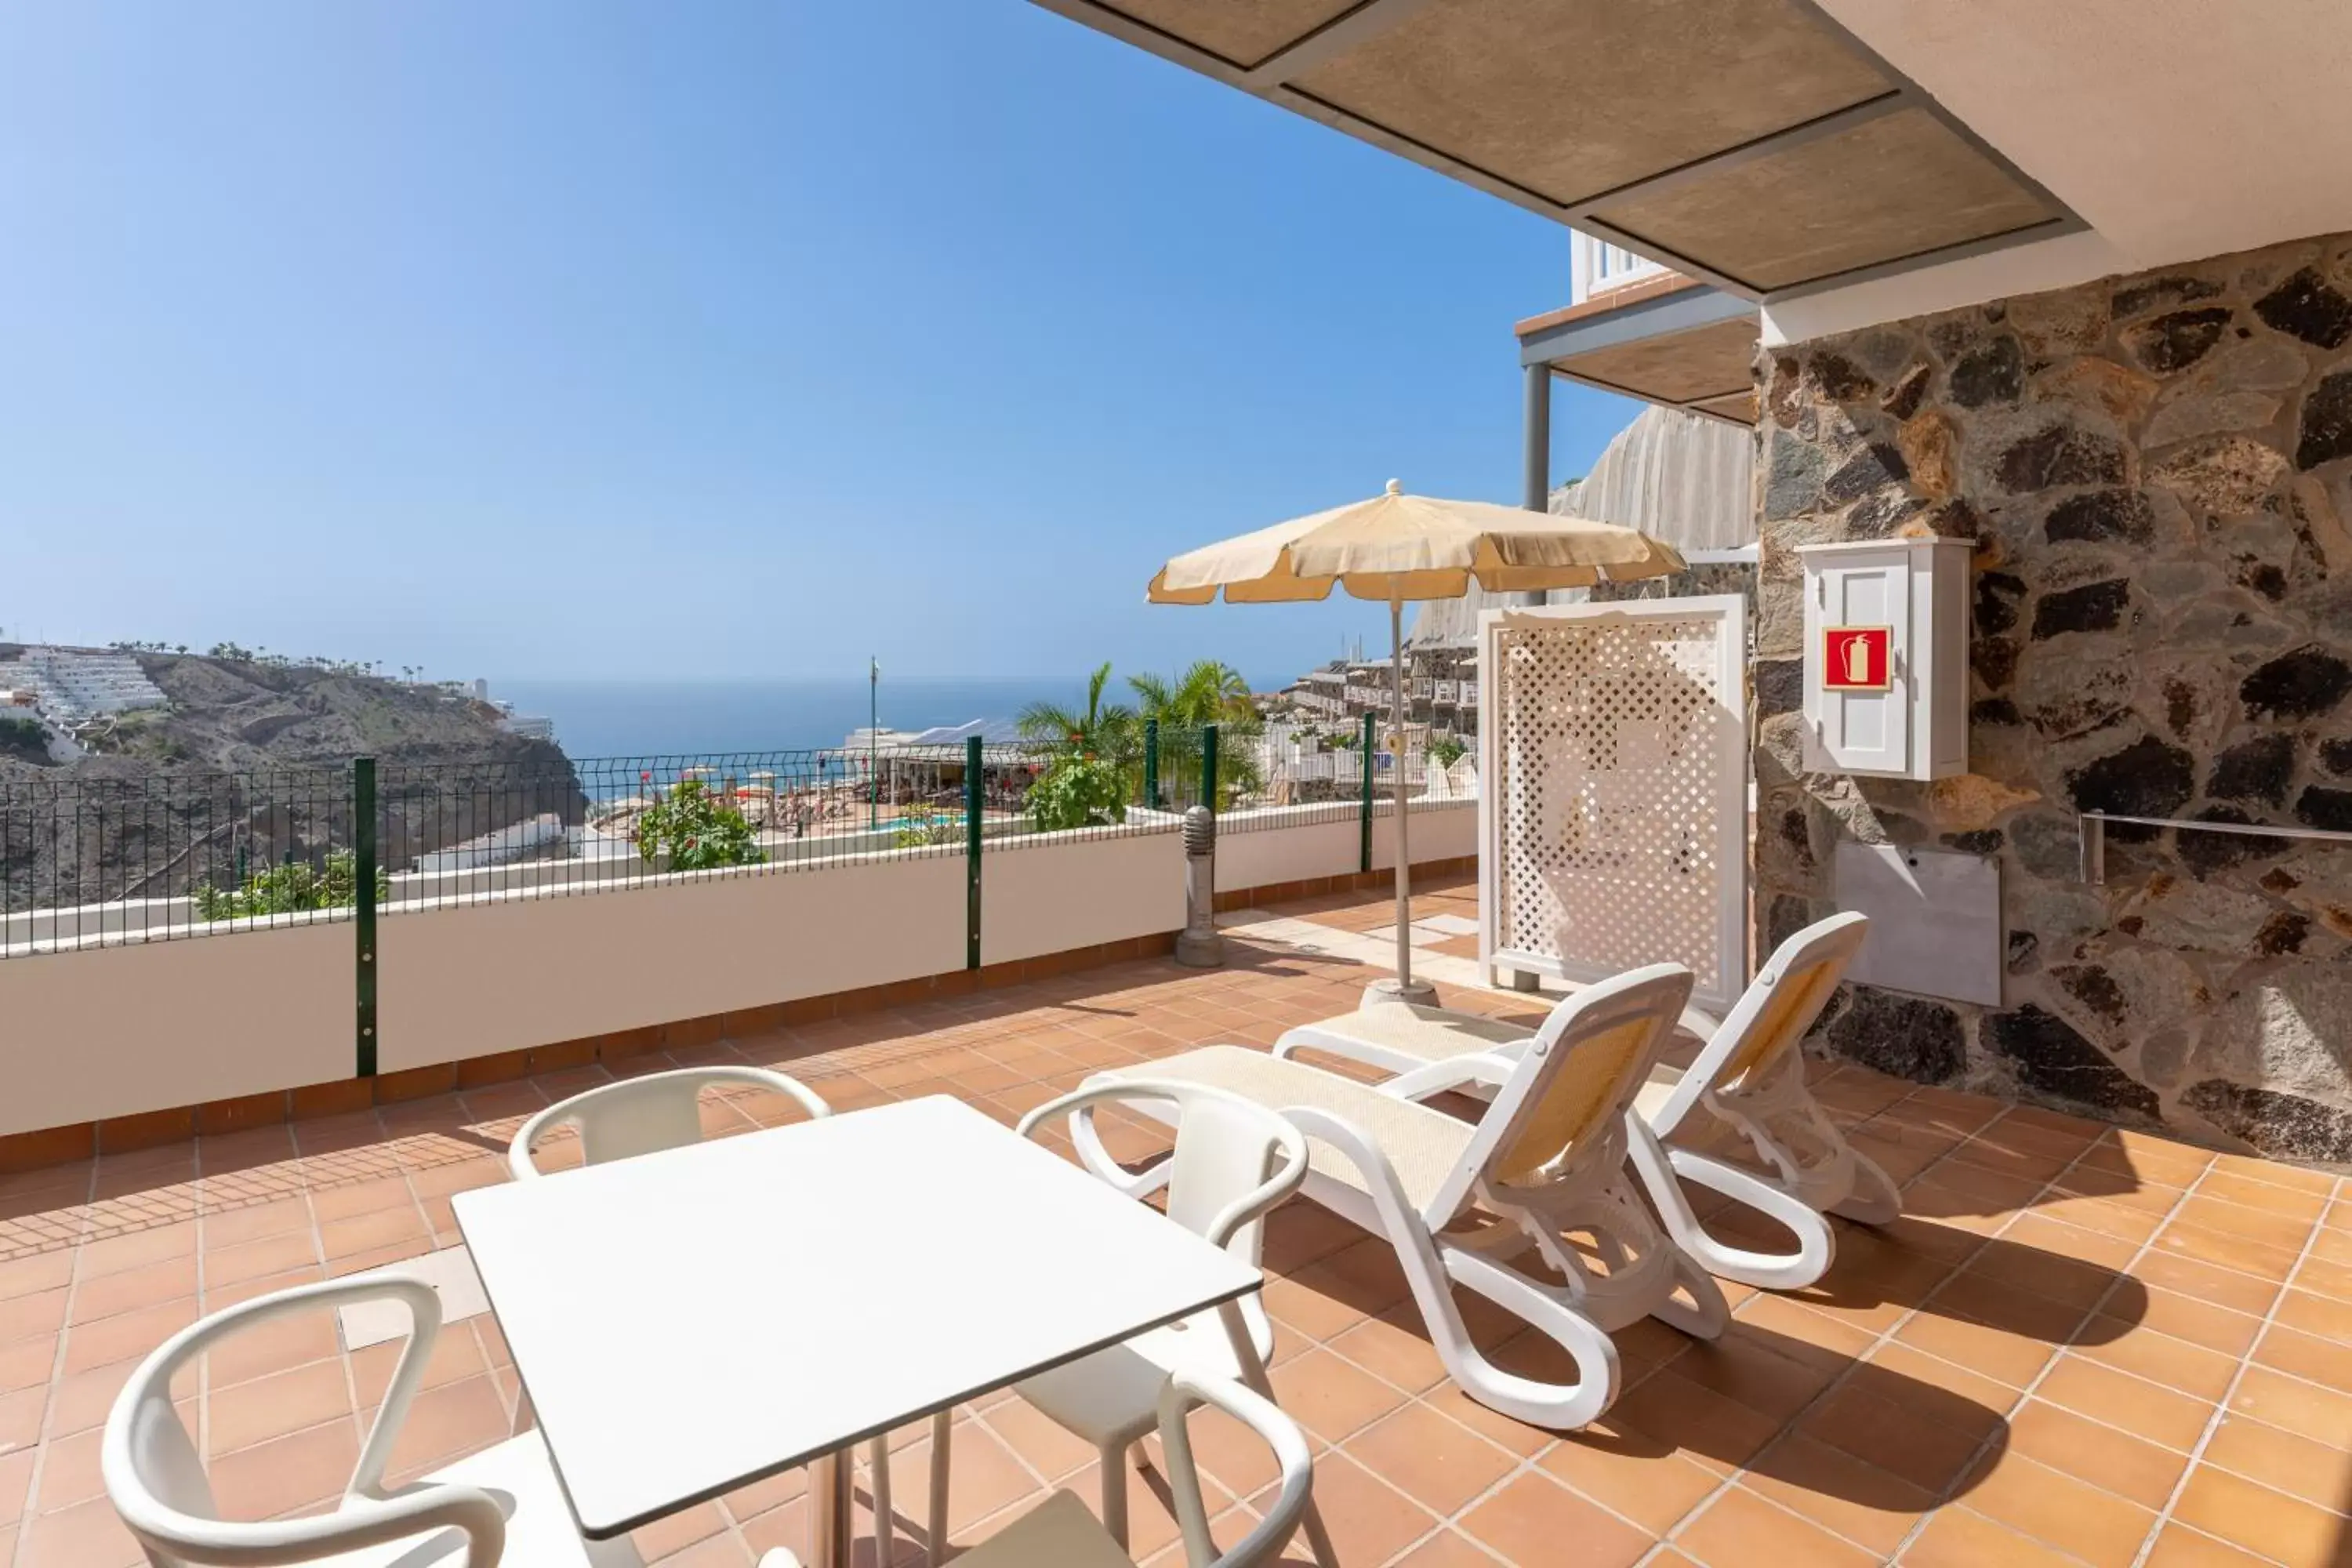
<point x="1462" y="1201"/>
<point x="1748" y="1075"/>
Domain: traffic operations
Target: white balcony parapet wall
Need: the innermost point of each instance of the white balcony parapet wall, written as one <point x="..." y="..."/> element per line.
<point x="120" y="1030"/>
<point x="1058" y="891"/>
<point x="1273" y="845"/>
<point x="501" y="974"/>
<point x="494" y="959"/>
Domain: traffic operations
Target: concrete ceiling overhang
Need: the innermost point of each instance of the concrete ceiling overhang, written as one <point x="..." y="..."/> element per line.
<point x="1755" y="145"/>
<point x="1669" y="339"/>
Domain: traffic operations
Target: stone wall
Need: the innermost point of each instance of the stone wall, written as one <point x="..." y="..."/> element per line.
<point x="2157" y="472"/>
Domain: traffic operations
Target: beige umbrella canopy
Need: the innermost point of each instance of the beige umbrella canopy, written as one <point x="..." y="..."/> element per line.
<point x="1397" y="547"/>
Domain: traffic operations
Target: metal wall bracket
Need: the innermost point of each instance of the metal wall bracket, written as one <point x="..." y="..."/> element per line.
<point x="2093" y="828"/>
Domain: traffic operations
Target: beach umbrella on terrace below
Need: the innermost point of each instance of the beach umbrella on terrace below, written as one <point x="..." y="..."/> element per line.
<point x="1397" y="547"/>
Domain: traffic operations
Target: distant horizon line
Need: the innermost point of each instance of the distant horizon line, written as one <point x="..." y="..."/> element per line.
<point x="1071" y="676"/>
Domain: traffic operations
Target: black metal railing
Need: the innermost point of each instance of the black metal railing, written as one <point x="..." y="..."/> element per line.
<point x="95" y="856"/>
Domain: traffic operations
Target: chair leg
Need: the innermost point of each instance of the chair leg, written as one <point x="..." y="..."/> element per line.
<point x="885" y="1526"/>
<point x="942" y="1430"/>
<point x="1114" y="1490"/>
<point x="1555" y="1406"/>
<point x="1662" y="1169"/>
<point x="1875" y="1199"/>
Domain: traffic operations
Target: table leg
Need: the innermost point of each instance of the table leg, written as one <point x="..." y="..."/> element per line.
<point x="829" y="1511"/>
<point x="1253" y="1377"/>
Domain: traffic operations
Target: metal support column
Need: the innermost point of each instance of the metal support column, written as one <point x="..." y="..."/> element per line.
<point x="1151" y="764"/>
<point x="1364" y="749"/>
<point x="363" y="860"/>
<point x="1209" y="767"/>
<point x="1535" y="457"/>
<point x="971" y="798"/>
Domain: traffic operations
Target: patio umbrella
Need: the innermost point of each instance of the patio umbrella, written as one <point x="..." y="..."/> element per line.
<point x="1396" y="547"/>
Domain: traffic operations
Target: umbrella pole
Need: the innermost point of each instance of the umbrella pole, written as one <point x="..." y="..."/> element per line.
<point x="1406" y="990"/>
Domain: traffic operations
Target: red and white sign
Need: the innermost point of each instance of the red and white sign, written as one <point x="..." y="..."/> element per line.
<point x="1857" y="659"/>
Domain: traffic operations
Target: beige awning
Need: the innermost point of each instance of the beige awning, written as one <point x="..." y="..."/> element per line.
<point x="1753" y="143"/>
<point x="1667" y="339"/>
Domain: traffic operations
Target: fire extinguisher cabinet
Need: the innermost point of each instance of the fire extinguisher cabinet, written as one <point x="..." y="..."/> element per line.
<point x="1886" y="657"/>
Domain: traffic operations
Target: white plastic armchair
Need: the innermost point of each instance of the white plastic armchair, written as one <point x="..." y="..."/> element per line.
<point x="636" y="1116"/>
<point x="644" y="1115"/>
<point x="1232" y="1162"/>
<point x="500" y="1506"/>
<point x="1060" y="1533"/>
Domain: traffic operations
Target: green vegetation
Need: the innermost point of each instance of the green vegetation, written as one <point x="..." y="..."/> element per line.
<point x="287" y="889"/>
<point x="1078" y="791"/>
<point x="24" y="739"/>
<point x="916" y="829"/>
<point x="1204" y="692"/>
<point x="1446" y="750"/>
<point x="695" y="830"/>
<point x="1108" y="732"/>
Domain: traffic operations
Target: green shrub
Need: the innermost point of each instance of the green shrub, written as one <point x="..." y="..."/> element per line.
<point x="697" y="830"/>
<point x="1445" y="751"/>
<point x="916" y="829"/>
<point x="1078" y="792"/>
<point x="289" y="890"/>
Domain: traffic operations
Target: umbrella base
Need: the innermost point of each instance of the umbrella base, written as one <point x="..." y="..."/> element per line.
<point x="1198" y="950"/>
<point x="1420" y="993"/>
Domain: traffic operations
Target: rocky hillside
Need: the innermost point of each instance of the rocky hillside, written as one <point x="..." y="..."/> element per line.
<point x="234" y="714"/>
<point x="246" y="768"/>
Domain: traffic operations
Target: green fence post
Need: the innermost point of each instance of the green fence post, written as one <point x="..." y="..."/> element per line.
<point x="1364" y="853"/>
<point x="972" y="852"/>
<point x="1151" y="764"/>
<point x="1209" y="767"/>
<point x="363" y="906"/>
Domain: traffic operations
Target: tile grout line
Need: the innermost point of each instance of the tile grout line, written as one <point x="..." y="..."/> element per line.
<point x="1531" y="1463"/>
<point x="1943" y="1495"/>
<point x="1674" y="1531"/>
<point x="2221" y="1406"/>
<point x="28" y="1526"/>
<point x="2058" y="1351"/>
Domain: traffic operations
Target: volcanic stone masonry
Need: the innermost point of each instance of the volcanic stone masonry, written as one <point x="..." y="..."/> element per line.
<point x="2158" y="473"/>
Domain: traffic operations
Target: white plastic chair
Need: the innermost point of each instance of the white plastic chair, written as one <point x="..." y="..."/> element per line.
<point x="633" y="1116"/>
<point x="502" y="1505"/>
<point x="1233" y="1163"/>
<point x="1459" y="1200"/>
<point x="1060" y="1533"/>
<point x="1749" y="1074"/>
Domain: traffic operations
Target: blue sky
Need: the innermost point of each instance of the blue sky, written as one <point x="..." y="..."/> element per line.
<point x="554" y="337"/>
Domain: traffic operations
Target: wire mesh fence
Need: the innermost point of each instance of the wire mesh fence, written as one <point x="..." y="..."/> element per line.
<point x="91" y="858"/>
<point x="99" y="858"/>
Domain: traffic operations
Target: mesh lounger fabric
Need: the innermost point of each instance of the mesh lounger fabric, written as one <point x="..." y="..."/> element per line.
<point x="1422" y="1145"/>
<point x="1431" y="1034"/>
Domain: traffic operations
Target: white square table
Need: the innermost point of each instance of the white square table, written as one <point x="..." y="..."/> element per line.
<point x="689" y="1321"/>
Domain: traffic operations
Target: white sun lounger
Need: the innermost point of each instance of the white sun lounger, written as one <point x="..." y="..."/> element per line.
<point x="1749" y="1074"/>
<point x="1460" y="1200"/>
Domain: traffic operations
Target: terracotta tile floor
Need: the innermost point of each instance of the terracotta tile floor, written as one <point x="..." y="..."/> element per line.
<point x="2081" y="1346"/>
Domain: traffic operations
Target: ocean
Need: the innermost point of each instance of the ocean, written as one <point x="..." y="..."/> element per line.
<point x="642" y="719"/>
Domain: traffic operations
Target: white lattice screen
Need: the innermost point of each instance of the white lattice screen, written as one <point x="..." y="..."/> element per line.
<point x="1615" y="822"/>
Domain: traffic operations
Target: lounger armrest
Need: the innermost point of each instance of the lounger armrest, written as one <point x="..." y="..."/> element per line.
<point x="1289" y="1173"/>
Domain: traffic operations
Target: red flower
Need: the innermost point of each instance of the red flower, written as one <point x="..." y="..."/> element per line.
<point x="643" y="776"/>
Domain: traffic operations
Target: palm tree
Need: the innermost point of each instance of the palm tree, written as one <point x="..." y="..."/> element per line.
<point x="1104" y="730"/>
<point x="1206" y="692"/>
